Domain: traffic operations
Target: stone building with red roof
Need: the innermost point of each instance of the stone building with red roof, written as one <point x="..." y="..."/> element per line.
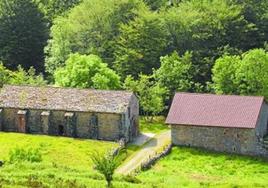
<point x="224" y="123"/>
<point x="82" y="113"/>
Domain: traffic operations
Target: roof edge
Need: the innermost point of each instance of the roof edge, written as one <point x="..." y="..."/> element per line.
<point x="65" y="88"/>
<point x="194" y="125"/>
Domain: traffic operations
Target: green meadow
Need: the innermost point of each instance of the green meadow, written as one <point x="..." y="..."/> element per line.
<point x="66" y="163"/>
<point x="187" y="167"/>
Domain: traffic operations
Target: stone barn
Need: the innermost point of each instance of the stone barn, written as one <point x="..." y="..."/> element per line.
<point x="82" y="113"/>
<point x="224" y="123"/>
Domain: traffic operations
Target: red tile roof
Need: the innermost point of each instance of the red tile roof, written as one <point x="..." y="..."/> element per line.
<point x="215" y="110"/>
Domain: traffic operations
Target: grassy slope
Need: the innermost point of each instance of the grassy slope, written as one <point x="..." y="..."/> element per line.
<point x="186" y="167"/>
<point x="64" y="159"/>
<point x="66" y="163"/>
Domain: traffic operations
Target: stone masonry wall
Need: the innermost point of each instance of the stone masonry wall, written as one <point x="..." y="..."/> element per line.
<point x="231" y="140"/>
<point x="108" y="124"/>
<point x="261" y="128"/>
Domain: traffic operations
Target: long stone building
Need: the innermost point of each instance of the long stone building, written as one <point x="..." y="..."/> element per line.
<point x="82" y="113"/>
<point x="224" y="123"/>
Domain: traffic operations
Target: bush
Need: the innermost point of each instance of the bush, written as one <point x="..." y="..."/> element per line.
<point x="21" y="154"/>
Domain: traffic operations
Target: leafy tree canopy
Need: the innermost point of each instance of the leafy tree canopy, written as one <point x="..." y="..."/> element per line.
<point x="20" y="76"/>
<point x="205" y="28"/>
<point x="86" y="71"/>
<point x="54" y="8"/>
<point x="245" y="75"/>
<point x="23" y="34"/>
<point x="175" y="72"/>
<point x="141" y="43"/>
<point x="90" y="28"/>
<point x="151" y="95"/>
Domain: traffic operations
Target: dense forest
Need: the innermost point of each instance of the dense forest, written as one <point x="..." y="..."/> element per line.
<point x="152" y="47"/>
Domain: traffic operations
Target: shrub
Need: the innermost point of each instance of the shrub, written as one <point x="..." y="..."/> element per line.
<point x="106" y="165"/>
<point x="21" y="154"/>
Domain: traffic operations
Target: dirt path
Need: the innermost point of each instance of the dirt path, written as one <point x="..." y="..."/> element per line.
<point x="156" y="144"/>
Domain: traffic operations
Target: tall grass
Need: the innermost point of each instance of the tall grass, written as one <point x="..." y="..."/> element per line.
<point x="25" y="154"/>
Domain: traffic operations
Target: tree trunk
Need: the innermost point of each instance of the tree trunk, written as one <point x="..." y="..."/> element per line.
<point x="109" y="184"/>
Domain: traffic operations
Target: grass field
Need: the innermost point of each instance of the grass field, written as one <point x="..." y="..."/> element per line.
<point x="186" y="167"/>
<point x="156" y="126"/>
<point x="65" y="161"/>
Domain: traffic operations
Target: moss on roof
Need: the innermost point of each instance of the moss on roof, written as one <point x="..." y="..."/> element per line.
<point x="69" y="99"/>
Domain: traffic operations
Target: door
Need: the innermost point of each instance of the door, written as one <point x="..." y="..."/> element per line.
<point x="21" y="124"/>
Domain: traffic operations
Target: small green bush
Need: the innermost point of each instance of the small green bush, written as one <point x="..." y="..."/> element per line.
<point x="21" y="154"/>
<point x="132" y="179"/>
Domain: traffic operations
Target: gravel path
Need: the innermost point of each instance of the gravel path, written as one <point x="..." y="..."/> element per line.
<point x="149" y="149"/>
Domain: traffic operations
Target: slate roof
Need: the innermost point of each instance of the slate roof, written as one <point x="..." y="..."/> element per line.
<point x="215" y="110"/>
<point x="68" y="99"/>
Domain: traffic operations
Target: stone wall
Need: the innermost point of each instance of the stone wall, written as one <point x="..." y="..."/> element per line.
<point x="231" y="140"/>
<point x="134" y="117"/>
<point x="75" y="124"/>
<point x="109" y="126"/>
<point x="261" y="127"/>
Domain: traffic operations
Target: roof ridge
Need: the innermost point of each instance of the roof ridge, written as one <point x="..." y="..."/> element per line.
<point x="64" y="88"/>
<point x="224" y="95"/>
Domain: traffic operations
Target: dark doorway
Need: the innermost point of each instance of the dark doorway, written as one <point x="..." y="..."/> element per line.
<point x="21" y="124"/>
<point x="61" y="130"/>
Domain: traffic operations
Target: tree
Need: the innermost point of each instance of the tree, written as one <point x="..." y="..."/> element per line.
<point x="205" y="28"/>
<point x="54" y="8"/>
<point x="4" y="75"/>
<point x="89" y="28"/>
<point x="26" y="77"/>
<point x="106" y="165"/>
<point x="23" y="34"/>
<point x="224" y="74"/>
<point x="175" y="72"/>
<point x="151" y="95"/>
<point x="246" y="74"/>
<point x="156" y="4"/>
<point x="252" y="74"/>
<point x="140" y="45"/>
<point x="256" y="12"/>
<point x="20" y="76"/>
<point x="86" y="72"/>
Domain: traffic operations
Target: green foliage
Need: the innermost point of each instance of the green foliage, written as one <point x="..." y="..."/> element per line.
<point x="24" y="154"/>
<point x="156" y="4"/>
<point x="245" y="75"/>
<point x="106" y="165"/>
<point x="252" y="74"/>
<point x="204" y="28"/>
<point x="86" y="72"/>
<point x="140" y="45"/>
<point x="23" y="34"/>
<point x="54" y="8"/>
<point x="5" y="75"/>
<point x="151" y="95"/>
<point x="256" y="12"/>
<point x="26" y="77"/>
<point x="175" y="72"/>
<point x="20" y="76"/>
<point x="224" y="74"/>
<point x="89" y="28"/>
